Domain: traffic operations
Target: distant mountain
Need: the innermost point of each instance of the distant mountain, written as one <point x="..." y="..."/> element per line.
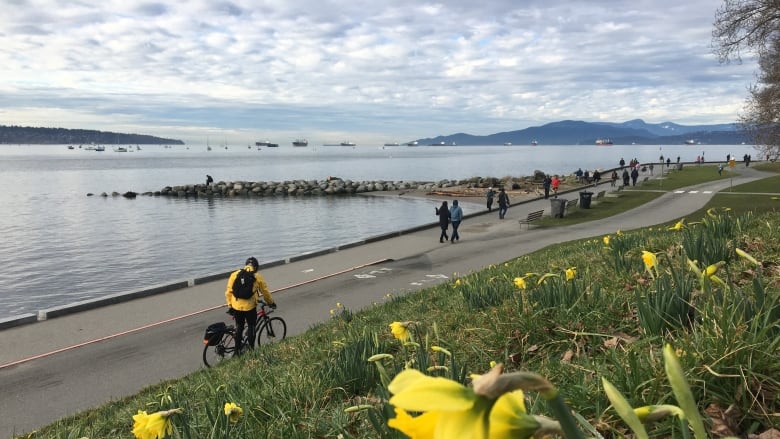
<point x="575" y="132"/>
<point x="62" y="136"/>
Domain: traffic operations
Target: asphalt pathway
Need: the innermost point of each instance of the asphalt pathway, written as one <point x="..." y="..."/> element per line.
<point x="58" y="367"/>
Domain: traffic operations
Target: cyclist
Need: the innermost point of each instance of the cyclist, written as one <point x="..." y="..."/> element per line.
<point x="245" y="310"/>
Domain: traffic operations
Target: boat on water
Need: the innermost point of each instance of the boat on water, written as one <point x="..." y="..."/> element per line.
<point x="412" y="143"/>
<point x="534" y="142"/>
<point x="438" y="144"/>
<point x="507" y="143"/>
<point x="71" y="147"/>
<point x="100" y="148"/>
<point x="606" y="141"/>
<point x="266" y="143"/>
<point x="300" y="142"/>
<point x="393" y="144"/>
<point x="347" y="143"/>
<point x="690" y="142"/>
<point x="120" y="149"/>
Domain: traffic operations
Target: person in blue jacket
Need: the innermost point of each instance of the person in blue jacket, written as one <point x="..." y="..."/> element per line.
<point x="456" y="216"/>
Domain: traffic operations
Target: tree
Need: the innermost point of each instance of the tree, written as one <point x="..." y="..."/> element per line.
<point x="754" y="26"/>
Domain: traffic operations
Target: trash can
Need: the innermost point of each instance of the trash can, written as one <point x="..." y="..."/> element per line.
<point x="585" y="198"/>
<point x="679" y="166"/>
<point x="557" y="207"/>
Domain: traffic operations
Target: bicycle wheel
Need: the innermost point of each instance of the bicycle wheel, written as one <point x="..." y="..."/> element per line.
<point x="272" y="330"/>
<point x="212" y="355"/>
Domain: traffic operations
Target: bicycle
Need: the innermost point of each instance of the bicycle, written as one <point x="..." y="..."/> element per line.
<point x="220" y="339"/>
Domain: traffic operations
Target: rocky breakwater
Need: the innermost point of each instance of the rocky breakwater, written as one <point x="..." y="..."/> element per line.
<point x="334" y="186"/>
<point x="331" y="186"/>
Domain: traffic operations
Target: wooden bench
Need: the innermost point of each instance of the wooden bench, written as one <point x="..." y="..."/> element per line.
<point x="533" y="216"/>
<point x="571" y="203"/>
<point x="600" y="194"/>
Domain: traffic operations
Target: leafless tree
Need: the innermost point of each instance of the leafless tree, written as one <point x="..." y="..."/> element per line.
<point x="744" y="26"/>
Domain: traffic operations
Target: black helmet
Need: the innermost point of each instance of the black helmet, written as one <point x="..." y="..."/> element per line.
<point x="253" y="262"/>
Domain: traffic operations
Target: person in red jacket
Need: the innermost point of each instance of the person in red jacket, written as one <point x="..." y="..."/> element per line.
<point x="244" y="310"/>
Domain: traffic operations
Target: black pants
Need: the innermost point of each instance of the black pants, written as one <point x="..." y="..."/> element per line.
<point x="250" y="319"/>
<point x="490" y="204"/>
<point x="443" y="237"/>
<point x="455" y="236"/>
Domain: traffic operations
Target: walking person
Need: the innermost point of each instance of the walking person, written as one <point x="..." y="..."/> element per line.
<point x="241" y="296"/>
<point x="634" y="176"/>
<point x="555" y="183"/>
<point x="546" y="184"/>
<point x="613" y="178"/>
<point x="625" y="177"/>
<point x="490" y="194"/>
<point x="503" y="203"/>
<point x="444" y="220"/>
<point x="456" y="216"/>
<point x="209" y="180"/>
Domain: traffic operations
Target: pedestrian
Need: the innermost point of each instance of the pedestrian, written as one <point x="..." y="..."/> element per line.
<point x="634" y="176"/>
<point x="456" y="216"/>
<point x="503" y="203"/>
<point x="444" y="220"/>
<point x="613" y="178"/>
<point x="546" y="184"/>
<point x="668" y="162"/>
<point x="651" y="168"/>
<point x="490" y="194"/>
<point x="661" y="159"/>
<point x="596" y="177"/>
<point x="749" y="159"/>
<point x="625" y="177"/>
<point x="586" y="176"/>
<point x="578" y="174"/>
<point x="720" y="169"/>
<point x="209" y="180"/>
<point x="678" y="159"/>
<point x="555" y="184"/>
<point x="622" y="163"/>
<point x="241" y="296"/>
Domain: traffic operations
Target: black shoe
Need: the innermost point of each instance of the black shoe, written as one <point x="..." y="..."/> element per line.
<point x="441" y="240"/>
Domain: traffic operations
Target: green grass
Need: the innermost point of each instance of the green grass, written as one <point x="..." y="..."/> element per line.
<point x="611" y="320"/>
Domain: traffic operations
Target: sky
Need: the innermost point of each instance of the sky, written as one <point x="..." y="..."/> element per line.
<point x="365" y="71"/>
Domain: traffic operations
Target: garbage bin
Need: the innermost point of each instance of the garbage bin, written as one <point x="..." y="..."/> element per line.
<point x="585" y="198"/>
<point x="557" y="207"/>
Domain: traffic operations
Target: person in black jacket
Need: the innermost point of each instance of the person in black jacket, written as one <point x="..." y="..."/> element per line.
<point x="444" y="220"/>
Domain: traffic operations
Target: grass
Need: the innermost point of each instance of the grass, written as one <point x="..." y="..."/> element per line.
<point x="611" y="320"/>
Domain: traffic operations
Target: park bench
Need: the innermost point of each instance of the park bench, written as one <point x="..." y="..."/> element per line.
<point x="533" y="216"/>
<point x="600" y="195"/>
<point x="571" y="203"/>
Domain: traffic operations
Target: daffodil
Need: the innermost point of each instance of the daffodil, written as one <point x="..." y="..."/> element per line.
<point x="400" y="330"/>
<point x="618" y="232"/>
<point x="153" y="426"/>
<point x="651" y="262"/>
<point x="520" y="283"/>
<point x="678" y="225"/>
<point x="233" y="412"/>
<point x="744" y="255"/>
<point x="571" y="273"/>
<point x="713" y="268"/>
<point x="453" y="410"/>
<point x="651" y="413"/>
<point x="457" y="282"/>
<point x="606" y="240"/>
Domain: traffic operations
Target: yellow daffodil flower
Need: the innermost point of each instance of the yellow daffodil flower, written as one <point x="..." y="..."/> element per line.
<point x="618" y="232"/>
<point x="453" y="410"/>
<point x="457" y="283"/>
<point x="400" y="330"/>
<point x="713" y="268"/>
<point x="520" y="283"/>
<point x="153" y="426"/>
<point x="652" y="413"/>
<point x="442" y="350"/>
<point x="571" y="273"/>
<point x="678" y="226"/>
<point x="606" y="240"/>
<point x="233" y="412"/>
<point x="744" y="255"/>
<point x="651" y="262"/>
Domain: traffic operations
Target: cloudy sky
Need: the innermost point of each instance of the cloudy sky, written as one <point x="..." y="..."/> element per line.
<point x="369" y="71"/>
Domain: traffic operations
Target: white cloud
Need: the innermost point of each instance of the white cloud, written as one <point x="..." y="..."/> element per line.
<point x="361" y="69"/>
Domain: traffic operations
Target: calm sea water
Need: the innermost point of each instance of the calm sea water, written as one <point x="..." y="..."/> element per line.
<point x="60" y="246"/>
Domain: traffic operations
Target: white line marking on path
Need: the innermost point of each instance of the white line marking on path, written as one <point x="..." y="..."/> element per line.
<point x="679" y="192"/>
<point x="693" y="192"/>
<point x="364" y="276"/>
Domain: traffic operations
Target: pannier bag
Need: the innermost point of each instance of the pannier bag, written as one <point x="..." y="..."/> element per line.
<point x="214" y="333"/>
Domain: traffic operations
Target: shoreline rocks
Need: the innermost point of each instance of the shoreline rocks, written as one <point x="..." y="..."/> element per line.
<point x="332" y="186"/>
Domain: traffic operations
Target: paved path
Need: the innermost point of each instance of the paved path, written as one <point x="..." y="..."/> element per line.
<point x="59" y="367"/>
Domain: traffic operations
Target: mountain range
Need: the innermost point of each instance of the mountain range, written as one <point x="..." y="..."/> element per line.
<point x="575" y="132"/>
<point x="60" y="136"/>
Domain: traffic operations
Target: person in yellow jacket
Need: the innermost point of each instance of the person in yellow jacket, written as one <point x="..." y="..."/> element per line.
<point x="245" y="310"/>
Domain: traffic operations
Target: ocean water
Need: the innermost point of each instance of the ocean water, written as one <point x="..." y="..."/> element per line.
<point x="61" y="246"/>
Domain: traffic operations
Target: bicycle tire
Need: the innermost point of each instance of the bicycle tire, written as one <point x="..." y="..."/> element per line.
<point x="212" y="355"/>
<point x="272" y="330"/>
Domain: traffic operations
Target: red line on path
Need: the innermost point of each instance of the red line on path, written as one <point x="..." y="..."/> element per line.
<point x="173" y="319"/>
